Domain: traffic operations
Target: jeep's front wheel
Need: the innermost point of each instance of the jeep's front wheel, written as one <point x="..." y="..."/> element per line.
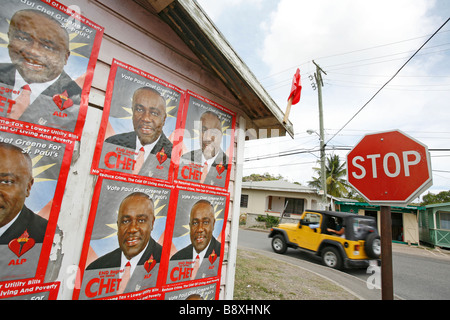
<point x="279" y="244"/>
<point x="331" y="258"/>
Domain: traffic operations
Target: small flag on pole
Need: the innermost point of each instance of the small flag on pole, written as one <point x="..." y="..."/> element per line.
<point x="296" y="88"/>
<point x="294" y="96"/>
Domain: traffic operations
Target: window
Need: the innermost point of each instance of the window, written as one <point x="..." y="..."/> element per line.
<point x="312" y="218"/>
<point x="244" y="200"/>
<point x="444" y="218"/>
<point x="294" y="205"/>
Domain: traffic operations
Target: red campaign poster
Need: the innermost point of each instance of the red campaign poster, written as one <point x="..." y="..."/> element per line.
<point x="207" y="143"/>
<point x="32" y="291"/>
<point x="127" y="223"/>
<point x="139" y="123"/>
<point x="48" y="53"/>
<point x="33" y="174"/>
<point x="195" y="290"/>
<point x="196" y="246"/>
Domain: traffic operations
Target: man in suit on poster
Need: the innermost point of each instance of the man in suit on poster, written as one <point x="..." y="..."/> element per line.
<point x="16" y="180"/>
<point x="148" y="138"/>
<point x="211" y="156"/>
<point x="21" y="230"/>
<point x="38" y="89"/>
<point x="138" y="253"/>
<point x="204" y="249"/>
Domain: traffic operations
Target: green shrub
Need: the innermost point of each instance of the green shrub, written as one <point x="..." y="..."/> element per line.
<point x="269" y="220"/>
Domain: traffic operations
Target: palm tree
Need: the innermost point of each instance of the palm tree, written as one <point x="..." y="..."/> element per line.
<point x="336" y="173"/>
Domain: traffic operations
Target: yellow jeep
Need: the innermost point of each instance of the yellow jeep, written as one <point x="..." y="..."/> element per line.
<point x="341" y="239"/>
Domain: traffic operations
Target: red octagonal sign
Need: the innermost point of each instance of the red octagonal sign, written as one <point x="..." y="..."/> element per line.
<point x="389" y="168"/>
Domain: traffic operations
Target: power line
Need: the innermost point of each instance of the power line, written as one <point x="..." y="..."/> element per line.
<point x="345" y="53"/>
<point x="398" y="71"/>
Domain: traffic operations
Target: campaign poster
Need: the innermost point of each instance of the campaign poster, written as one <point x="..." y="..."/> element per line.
<point x="48" y="54"/>
<point x="208" y="142"/>
<point x="33" y="174"/>
<point x="123" y="244"/>
<point x="198" y="236"/>
<point x="139" y="124"/>
<point x="31" y="290"/>
<point x="204" y="290"/>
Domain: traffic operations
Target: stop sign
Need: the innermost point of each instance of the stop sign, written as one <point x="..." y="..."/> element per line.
<point x="389" y="168"/>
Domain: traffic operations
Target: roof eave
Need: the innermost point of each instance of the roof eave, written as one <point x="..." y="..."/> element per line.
<point x="200" y="34"/>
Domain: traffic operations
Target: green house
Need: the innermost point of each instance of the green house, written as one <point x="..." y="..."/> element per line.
<point x="434" y="224"/>
<point x="404" y="218"/>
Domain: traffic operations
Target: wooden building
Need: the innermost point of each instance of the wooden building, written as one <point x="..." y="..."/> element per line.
<point x="175" y="41"/>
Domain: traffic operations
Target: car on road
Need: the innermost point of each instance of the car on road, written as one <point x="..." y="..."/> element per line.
<point x="341" y="239"/>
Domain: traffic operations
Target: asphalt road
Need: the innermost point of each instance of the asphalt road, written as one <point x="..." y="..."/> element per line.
<point x="419" y="274"/>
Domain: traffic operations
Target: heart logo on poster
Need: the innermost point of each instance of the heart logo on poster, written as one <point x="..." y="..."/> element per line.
<point x="149" y="264"/>
<point x="161" y="156"/>
<point x="62" y="100"/>
<point x="22" y="244"/>
<point x="212" y="257"/>
<point x="220" y="168"/>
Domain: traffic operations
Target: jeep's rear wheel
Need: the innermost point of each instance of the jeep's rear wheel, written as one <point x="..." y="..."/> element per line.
<point x="331" y="258"/>
<point x="279" y="244"/>
<point x="373" y="246"/>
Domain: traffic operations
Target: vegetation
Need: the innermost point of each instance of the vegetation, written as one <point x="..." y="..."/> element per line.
<point x="262" y="177"/>
<point x="431" y="198"/>
<point x="269" y="220"/>
<point x="259" y="277"/>
<point x="336" y="181"/>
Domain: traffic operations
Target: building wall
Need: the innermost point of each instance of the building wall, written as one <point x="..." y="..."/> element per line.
<point x="410" y="223"/>
<point x="431" y="230"/>
<point x="258" y="201"/>
<point x="141" y="39"/>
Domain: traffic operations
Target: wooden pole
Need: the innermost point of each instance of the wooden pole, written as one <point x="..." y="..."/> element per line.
<point x="288" y="110"/>
<point x="387" y="290"/>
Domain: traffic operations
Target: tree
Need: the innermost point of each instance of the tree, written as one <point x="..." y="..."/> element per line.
<point x="337" y="185"/>
<point x="262" y="177"/>
<point x="441" y="197"/>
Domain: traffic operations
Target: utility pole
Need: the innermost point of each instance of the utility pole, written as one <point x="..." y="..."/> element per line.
<point x="319" y="84"/>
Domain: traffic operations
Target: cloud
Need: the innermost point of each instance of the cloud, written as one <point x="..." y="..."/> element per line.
<point x="301" y="30"/>
<point x="360" y="44"/>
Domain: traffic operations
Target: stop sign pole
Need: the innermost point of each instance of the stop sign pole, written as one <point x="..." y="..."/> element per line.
<point x="387" y="287"/>
<point x="389" y="168"/>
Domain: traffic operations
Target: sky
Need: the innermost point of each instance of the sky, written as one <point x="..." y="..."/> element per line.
<point x="360" y="45"/>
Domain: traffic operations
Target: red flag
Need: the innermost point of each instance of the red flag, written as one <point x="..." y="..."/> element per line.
<point x="296" y="88"/>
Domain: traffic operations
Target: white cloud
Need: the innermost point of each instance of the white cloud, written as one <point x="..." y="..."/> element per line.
<point x="377" y="37"/>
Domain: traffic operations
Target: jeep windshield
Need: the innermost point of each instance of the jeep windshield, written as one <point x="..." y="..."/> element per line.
<point x="361" y="226"/>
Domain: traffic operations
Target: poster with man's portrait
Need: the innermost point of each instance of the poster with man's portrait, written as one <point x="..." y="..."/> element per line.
<point x="123" y="245"/>
<point x="208" y="142"/>
<point x="33" y="174"/>
<point x="197" y="239"/>
<point x="138" y="126"/>
<point x="48" y="54"/>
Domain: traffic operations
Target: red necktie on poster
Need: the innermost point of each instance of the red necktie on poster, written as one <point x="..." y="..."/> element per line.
<point x="125" y="278"/>
<point x="204" y="172"/>
<point x="139" y="161"/>
<point x="22" y="103"/>
<point x="295" y="93"/>
<point x="196" y="266"/>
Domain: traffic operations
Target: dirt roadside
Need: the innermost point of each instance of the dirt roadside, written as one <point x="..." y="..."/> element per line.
<point x="422" y="251"/>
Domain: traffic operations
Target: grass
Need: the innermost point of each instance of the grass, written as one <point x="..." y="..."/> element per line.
<point x="261" y="278"/>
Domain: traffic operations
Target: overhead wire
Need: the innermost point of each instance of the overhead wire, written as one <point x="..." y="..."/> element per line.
<point x="346" y="53"/>
<point x="392" y="78"/>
